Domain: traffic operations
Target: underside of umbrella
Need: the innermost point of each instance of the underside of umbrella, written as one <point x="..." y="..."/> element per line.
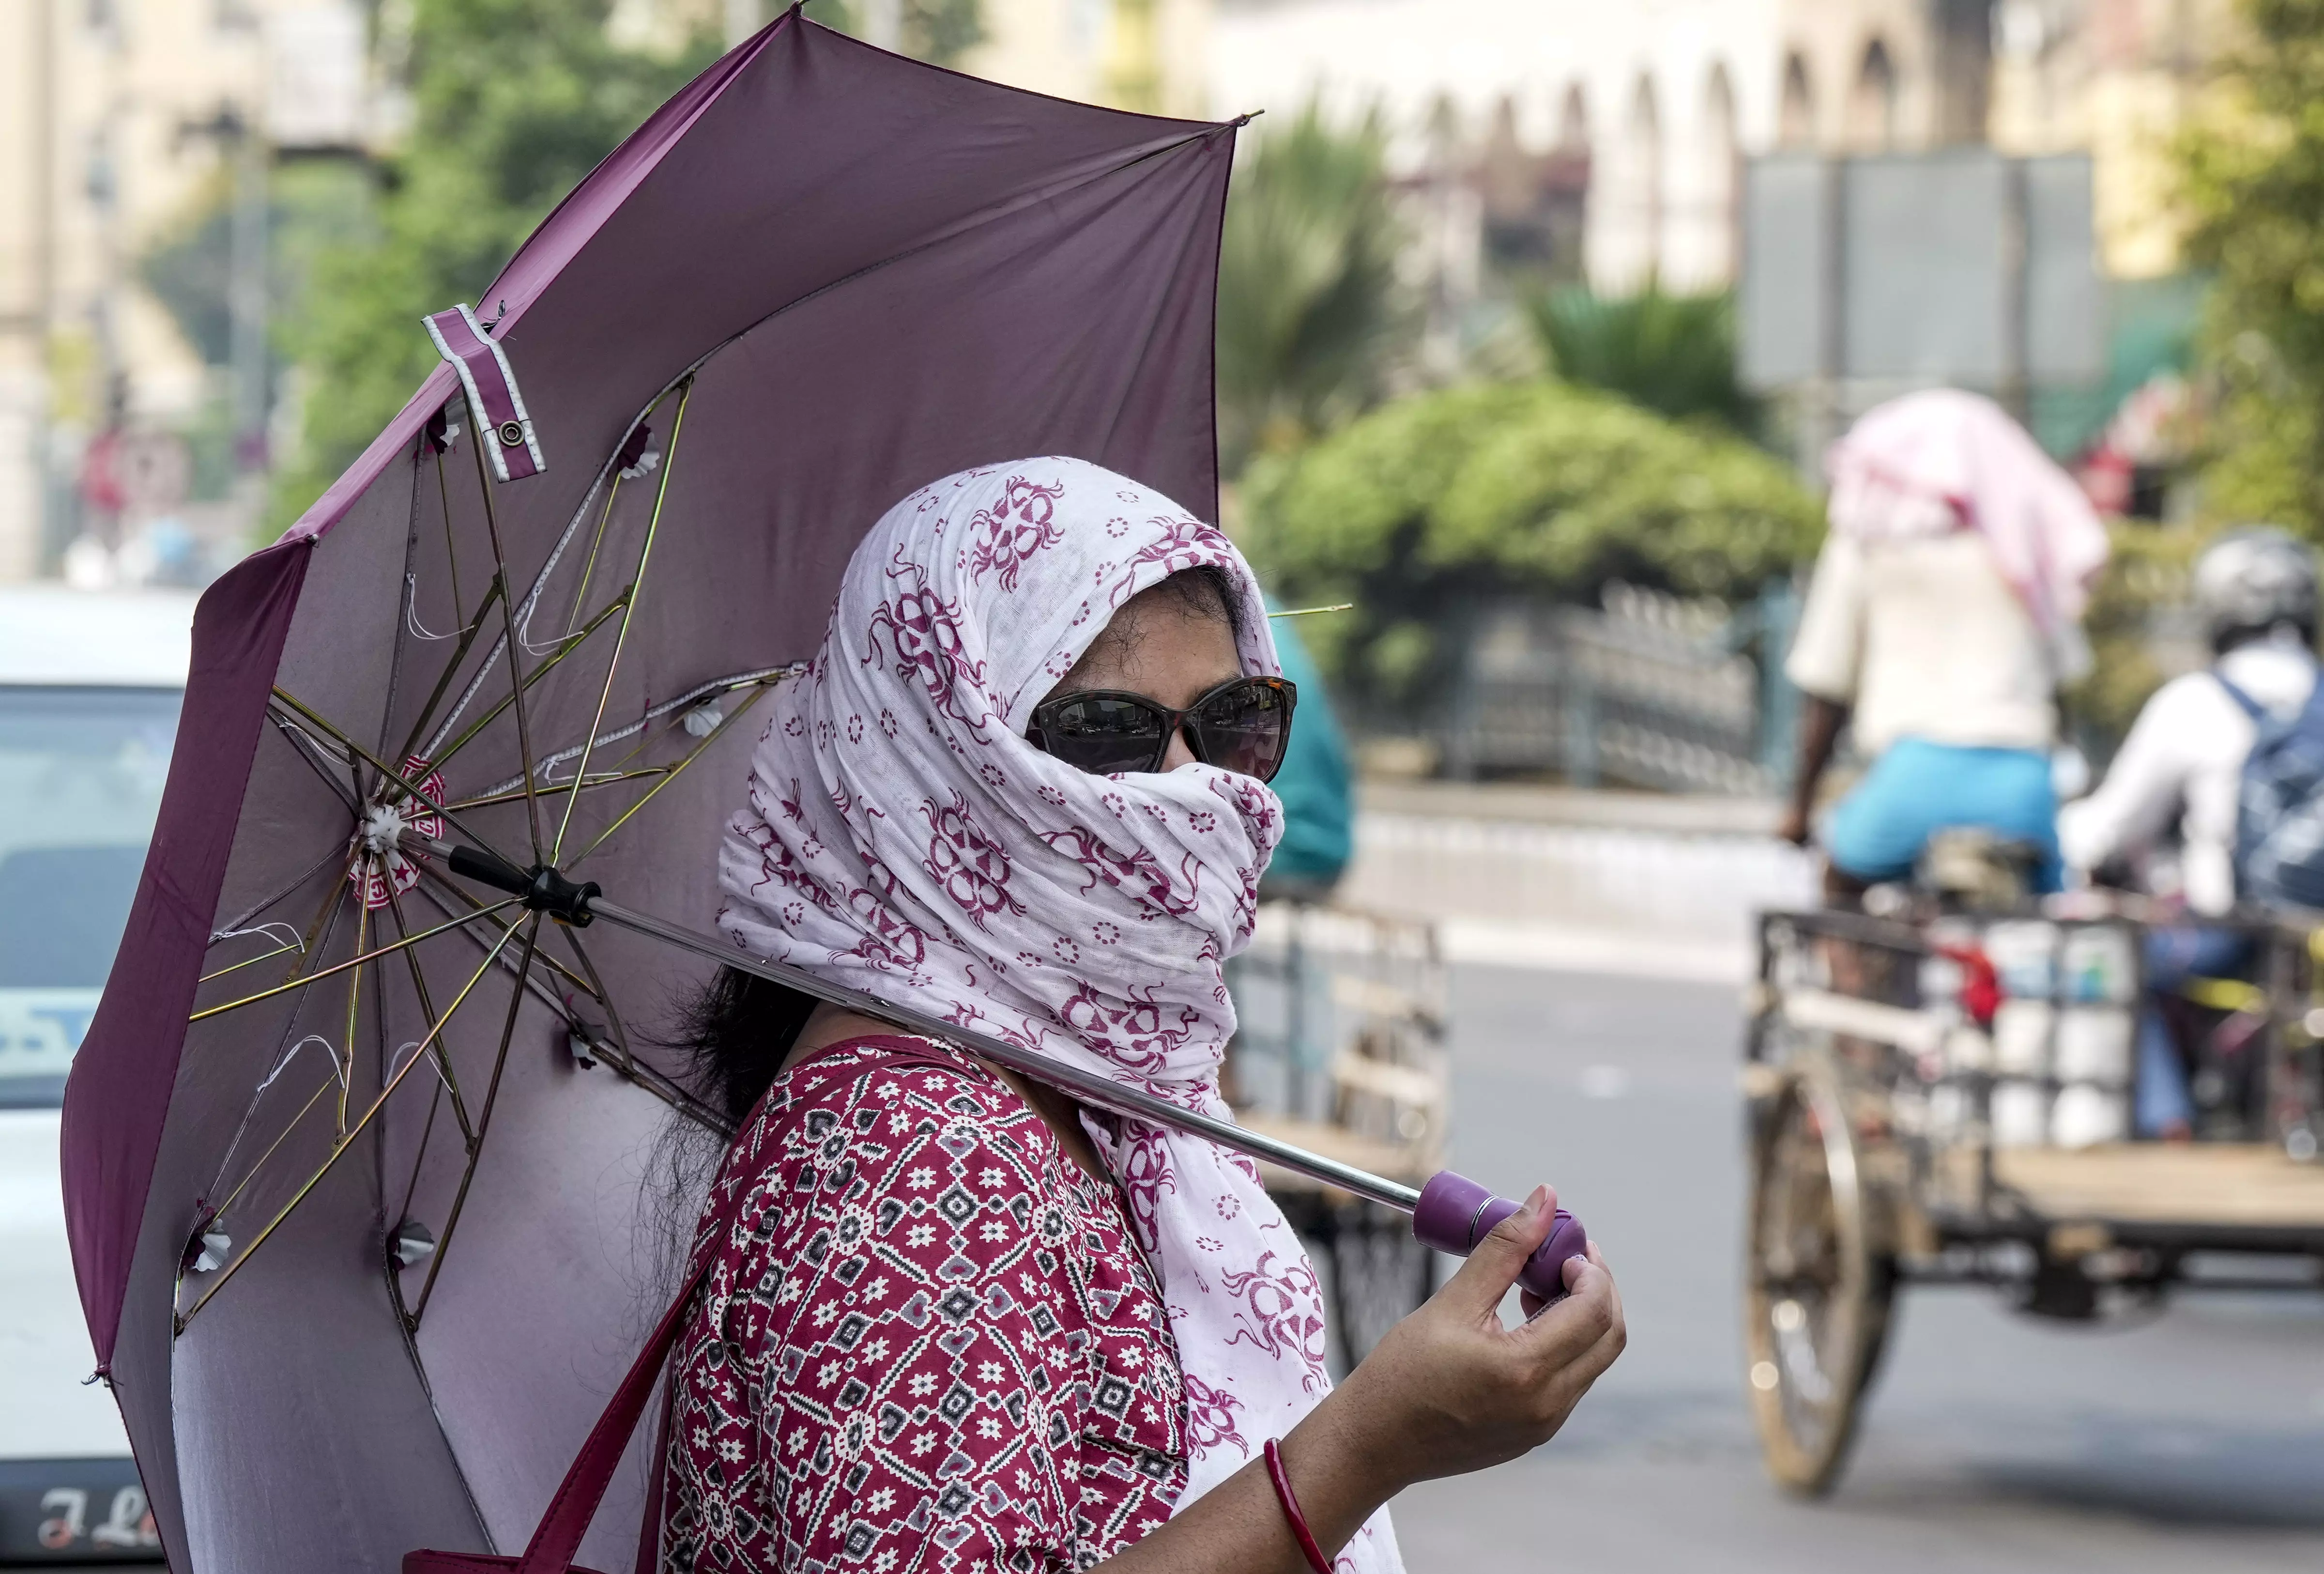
<point x="360" y="1154"/>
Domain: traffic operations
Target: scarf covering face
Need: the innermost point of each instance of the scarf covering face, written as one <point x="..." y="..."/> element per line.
<point x="903" y="839"/>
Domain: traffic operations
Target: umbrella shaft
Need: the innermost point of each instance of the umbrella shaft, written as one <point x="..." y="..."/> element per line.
<point x="1086" y="1085"/>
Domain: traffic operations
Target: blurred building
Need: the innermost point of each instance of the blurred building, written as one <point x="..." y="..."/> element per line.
<point x="118" y="119"/>
<point x="2113" y="78"/>
<point x="1149" y="55"/>
<point x="1600" y="142"/>
<point x="1578" y="139"/>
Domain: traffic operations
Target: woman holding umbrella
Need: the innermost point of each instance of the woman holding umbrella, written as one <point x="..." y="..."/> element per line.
<point x="950" y="1318"/>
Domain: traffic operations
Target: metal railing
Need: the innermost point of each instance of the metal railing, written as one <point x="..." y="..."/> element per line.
<point x="1646" y="690"/>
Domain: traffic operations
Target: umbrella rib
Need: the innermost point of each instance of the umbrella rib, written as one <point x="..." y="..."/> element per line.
<point x="319" y="759"/>
<point x="484" y="1119"/>
<point x="478" y="910"/>
<point x="248" y="962"/>
<point x="643" y="742"/>
<point x="514" y="647"/>
<point x="608" y="472"/>
<point x="727" y="683"/>
<point x="567" y="644"/>
<point x="428" y="1013"/>
<point x="317" y="938"/>
<point x="461" y="921"/>
<point x="452" y="666"/>
<point x="452" y="556"/>
<point x="620" y="639"/>
<point x="354" y="1003"/>
<point x="340" y="1147"/>
<point x="597" y="986"/>
<point x="623" y="1063"/>
<point x="308" y="747"/>
<point x="283" y="1136"/>
<point x="317" y="934"/>
<point x="589" y="563"/>
<point x="410" y="787"/>
<point x="243" y="919"/>
<point x="671" y="772"/>
<point x="660" y="1085"/>
<point x="550" y="788"/>
<point x="411" y="1189"/>
<point x="391" y="1264"/>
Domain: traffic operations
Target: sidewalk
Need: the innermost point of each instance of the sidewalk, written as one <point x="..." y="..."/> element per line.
<point x="1629" y="884"/>
<point x="1685" y="814"/>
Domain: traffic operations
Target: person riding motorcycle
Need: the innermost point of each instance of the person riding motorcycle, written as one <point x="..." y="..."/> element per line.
<point x="1943" y="613"/>
<point x="2181" y="768"/>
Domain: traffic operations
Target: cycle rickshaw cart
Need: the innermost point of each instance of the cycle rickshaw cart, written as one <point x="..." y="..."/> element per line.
<point x="1947" y="1100"/>
<point x="1340" y="1049"/>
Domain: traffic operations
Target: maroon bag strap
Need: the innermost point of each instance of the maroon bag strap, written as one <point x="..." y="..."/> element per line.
<point x="569" y="1513"/>
<point x="566" y="1520"/>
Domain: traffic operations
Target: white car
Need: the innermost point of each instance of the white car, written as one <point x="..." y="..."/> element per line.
<point x="90" y="684"/>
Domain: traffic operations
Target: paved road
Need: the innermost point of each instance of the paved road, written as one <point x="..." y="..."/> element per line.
<point x="1993" y="1443"/>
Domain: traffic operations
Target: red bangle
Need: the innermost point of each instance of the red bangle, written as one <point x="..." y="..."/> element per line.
<point x="1298" y="1522"/>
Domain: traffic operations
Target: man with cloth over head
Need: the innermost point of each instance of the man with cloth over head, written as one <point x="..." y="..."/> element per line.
<point x="1943" y="614"/>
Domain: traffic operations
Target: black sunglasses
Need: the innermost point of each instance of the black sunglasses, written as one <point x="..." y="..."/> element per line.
<point x="1242" y="726"/>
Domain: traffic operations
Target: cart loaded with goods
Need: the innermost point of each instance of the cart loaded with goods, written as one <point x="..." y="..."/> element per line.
<point x="1953" y="1097"/>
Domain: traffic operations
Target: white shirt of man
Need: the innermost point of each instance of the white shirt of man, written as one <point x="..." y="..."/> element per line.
<point x="2184" y="757"/>
<point x="1921" y="636"/>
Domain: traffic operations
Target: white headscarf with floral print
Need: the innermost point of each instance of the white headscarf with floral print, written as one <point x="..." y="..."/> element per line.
<point x="903" y="839"/>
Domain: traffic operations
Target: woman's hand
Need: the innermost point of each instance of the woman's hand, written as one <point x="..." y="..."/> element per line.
<point x="1451" y="1390"/>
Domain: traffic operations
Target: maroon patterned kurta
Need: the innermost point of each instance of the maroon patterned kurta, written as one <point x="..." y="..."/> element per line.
<point x="930" y="1341"/>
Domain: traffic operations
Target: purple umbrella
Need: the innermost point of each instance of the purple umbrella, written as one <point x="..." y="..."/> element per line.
<point x="357" y="1149"/>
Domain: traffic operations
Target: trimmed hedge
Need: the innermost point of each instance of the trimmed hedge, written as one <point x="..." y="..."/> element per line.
<point x="1428" y="507"/>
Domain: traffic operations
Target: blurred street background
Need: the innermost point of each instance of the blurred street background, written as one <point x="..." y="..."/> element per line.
<point x="1991" y="1442"/>
<point x="1535" y="319"/>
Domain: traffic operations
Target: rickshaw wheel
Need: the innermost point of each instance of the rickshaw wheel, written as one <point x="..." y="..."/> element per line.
<point x="1816" y="1299"/>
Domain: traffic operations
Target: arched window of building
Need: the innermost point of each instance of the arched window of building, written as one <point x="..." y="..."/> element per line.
<point x="1574" y="120"/>
<point x="1872" y="107"/>
<point x="1566" y="191"/>
<point x="1796" y="120"/>
<point x="1626" y="201"/>
<point x="1704" y="246"/>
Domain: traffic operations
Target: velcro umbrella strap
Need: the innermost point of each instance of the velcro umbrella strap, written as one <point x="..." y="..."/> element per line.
<point x="502" y="427"/>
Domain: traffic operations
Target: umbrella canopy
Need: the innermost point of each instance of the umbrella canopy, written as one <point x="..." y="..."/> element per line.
<point x="356" y="1155"/>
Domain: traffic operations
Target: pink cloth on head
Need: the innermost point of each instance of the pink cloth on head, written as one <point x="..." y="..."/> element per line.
<point x="902" y="837"/>
<point x="1944" y="459"/>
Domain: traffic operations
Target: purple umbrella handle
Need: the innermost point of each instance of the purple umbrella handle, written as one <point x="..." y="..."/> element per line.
<point x="1455" y="1213"/>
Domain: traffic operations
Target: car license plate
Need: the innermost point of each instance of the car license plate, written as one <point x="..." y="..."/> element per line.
<point x="74" y="1511"/>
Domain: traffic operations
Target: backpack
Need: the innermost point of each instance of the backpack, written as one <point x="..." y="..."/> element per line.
<point x="2280" y="814"/>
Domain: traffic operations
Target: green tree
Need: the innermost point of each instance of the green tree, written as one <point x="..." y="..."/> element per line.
<point x="2252" y="179"/>
<point x="939" y="31"/>
<point x="312" y="206"/>
<point x="1308" y="304"/>
<point x="513" y="102"/>
<point x="2146" y="577"/>
<point x="1431" y="505"/>
<point x="1673" y="354"/>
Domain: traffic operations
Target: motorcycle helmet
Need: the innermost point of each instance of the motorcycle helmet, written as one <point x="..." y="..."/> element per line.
<point x="2252" y="580"/>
